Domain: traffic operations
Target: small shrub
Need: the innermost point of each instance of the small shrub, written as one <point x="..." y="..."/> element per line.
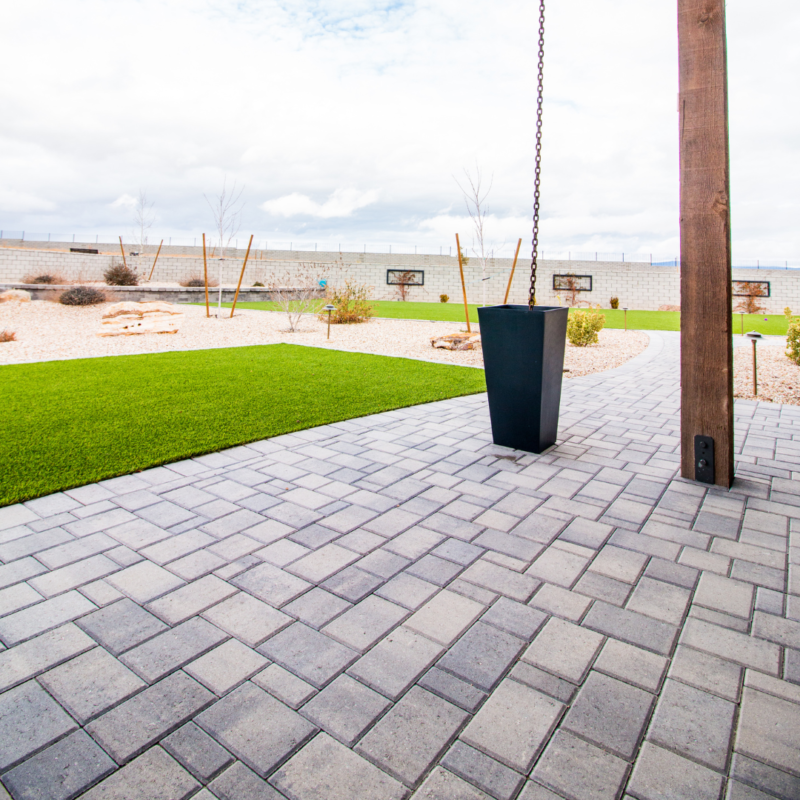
<point x="352" y="304"/>
<point x="793" y="342"/>
<point x="583" y="327"/>
<point x="443" y="298"/>
<point x="196" y="281"/>
<point x="120" y="275"/>
<point x="82" y="296"/>
<point x="258" y="285"/>
<point x="8" y="336"/>
<point x="46" y="278"/>
<point x="615" y="302"/>
<point x="787" y="312"/>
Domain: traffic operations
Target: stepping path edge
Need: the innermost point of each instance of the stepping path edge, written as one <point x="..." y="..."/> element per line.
<point x="393" y="603"/>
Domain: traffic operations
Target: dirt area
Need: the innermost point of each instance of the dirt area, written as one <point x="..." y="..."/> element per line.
<point x="778" y="377"/>
<point x="51" y="331"/>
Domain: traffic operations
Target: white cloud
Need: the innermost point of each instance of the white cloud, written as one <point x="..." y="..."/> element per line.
<point x="342" y="203"/>
<point x="295" y="99"/>
<point x="124" y="201"/>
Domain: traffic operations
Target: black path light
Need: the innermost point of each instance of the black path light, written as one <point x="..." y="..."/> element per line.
<point x="329" y="308"/>
<point x="523" y="345"/>
<point x="754" y="336"/>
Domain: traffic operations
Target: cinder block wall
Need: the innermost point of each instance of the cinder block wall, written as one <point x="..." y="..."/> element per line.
<point x="637" y="285"/>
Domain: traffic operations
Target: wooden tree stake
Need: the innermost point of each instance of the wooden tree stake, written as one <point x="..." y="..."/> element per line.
<point x="154" y="262"/>
<point x="205" y="274"/>
<point x="511" y="276"/>
<point x="706" y="318"/>
<point x="238" y="286"/>
<point x="463" y="285"/>
<point x="122" y="250"/>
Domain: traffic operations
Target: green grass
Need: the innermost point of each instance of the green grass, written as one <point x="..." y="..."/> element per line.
<point x="68" y="423"/>
<point x="775" y="324"/>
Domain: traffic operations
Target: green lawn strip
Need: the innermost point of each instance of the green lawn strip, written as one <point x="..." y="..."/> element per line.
<point x="772" y="324"/>
<point x="69" y="423"/>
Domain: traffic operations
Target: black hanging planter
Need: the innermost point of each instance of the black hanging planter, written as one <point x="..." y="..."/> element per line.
<point x="523" y="356"/>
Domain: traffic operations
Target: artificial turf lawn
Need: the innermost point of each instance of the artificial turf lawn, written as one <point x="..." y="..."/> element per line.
<point x="68" y="423"/>
<point x="768" y="324"/>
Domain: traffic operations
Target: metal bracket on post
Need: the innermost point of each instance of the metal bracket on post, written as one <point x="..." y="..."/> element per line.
<point x="704" y="459"/>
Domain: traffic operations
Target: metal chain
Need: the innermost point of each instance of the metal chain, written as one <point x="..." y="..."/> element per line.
<point x="538" y="176"/>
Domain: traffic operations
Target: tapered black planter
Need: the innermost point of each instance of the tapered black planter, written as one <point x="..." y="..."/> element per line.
<point x="523" y="356"/>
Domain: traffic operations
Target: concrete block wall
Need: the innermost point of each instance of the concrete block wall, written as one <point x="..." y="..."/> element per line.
<point x="637" y="285"/>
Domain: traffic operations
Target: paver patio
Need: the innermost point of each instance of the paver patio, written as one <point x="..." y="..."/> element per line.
<point x="394" y="607"/>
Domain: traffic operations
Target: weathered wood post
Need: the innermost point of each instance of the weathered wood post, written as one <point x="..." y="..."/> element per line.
<point x="706" y="316"/>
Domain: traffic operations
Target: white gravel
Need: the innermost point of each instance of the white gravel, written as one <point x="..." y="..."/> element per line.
<point x="47" y="331"/>
<point x="778" y="377"/>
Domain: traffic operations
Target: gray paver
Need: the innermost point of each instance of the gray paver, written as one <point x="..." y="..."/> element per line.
<point x="707" y="672"/>
<point x="42" y="617"/>
<point x="311" y="655"/>
<point x="316" y="608"/>
<point x="197" y="752"/>
<point x="29" y="720"/>
<point x="226" y="666"/>
<point x="486" y="773"/>
<point x="580" y="770"/>
<point x="408" y="591"/>
<point x="362" y="625"/>
<point x="513" y="725"/>
<point x="550" y="685"/>
<point x="451" y="688"/>
<point x="288" y="688"/>
<point x="272" y="585"/>
<point x="345" y="709"/>
<point x="233" y="719"/>
<point x="249" y="620"/>
<point x="91" y="683"/>
<point x="62" y="771"/>
<point x="326" y="770"/>
<point x="121" y="626"/>
<point x="482" y="655"/>
<point x="172" y="649"/>
<point x="412" y="734"/>
<point x="610" y="713"/>
<point x="631" y="664"/>
<point x="352" y="584"/>
<point x="144" y="581"/>
<point x="560" y="602"/>
<point x="772" y="781"/>
<point x="396" y="662"/>
<point x="445" y="617"/>
<point x="659" y="774"/>
<point x="564" y="649"/>
<point x="631" y="627"/>
<point x="191" y="599"/>
<point x="155" y="775"/>
<point x="239" y="783"/>
<point x="443" y="785"/>
<point x="129" y="728"/>
<point x="769" y="731"/>
<point x="514" y="618"/>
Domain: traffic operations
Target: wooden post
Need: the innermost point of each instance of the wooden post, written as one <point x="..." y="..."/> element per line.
<point x="706" y="293"/>
<point x="205" y="274"/>
<point x="463" y="285"/>
<point x="238" y="286"/>
<point x="511" y="276"/>
<point x="122" y="250"/>
<point x="154" y="262"/>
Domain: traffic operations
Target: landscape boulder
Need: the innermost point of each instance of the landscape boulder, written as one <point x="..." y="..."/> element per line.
<point x="129" y="319"/>
<point x="457" y="341"/>
<point x="20" y="295"/>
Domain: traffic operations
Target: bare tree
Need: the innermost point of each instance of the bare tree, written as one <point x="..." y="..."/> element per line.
<point x="143" y="218"/>
<point x="227" y="209"/>
<point x="300" y="290"/>
<point x="475" y="197"/>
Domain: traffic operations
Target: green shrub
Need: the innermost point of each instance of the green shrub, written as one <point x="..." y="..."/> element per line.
<point x="583" y="326"/>
<point x="787" y="312"/>
<point x="82" y="296"/>
<point x="443" y="298"/>
<point x="352" y="304"/>
<point x="615" y="302"/>
<point x="258" y="285"/>
<point x="793" y="342"/>
<point x="121" y="275"/>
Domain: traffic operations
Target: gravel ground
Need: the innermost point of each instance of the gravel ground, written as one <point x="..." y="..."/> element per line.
<point x="48" y="331"/>
<point x="778" y="377"/>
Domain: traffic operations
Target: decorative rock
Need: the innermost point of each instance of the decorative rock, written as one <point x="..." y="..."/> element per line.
<point x="19" y="295"/>
<point x="457" y="341"/>
<point x="128" y="319"/>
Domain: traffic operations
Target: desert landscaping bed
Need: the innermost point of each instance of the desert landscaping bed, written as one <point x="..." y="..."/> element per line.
<point x="46" y="331"/>
<point x="778" y="377"/>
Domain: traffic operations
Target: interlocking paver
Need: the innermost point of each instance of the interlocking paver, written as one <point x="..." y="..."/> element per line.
<point x="443" y="785"/>
<point x="271" y="584"/>
<point x="281" y="683"/>
<point x="366" y="622"/>
<point x="29" y="720"/>
<point x="311" y="655"/>
<point x="732" y="646"/>
<point x="445" y="617"/>
<point x="62" y="771"/>
<point x="657" y="768"/>
<point x="121" y="626"/>
<point x="515" y="618"/>
<point x="451" y="688"/>
<point x="233" y="719"/>
<point x="707" y="672"/>
<point x="191" y="599"/>
<point x="769" y="730"/>
<point x="560" y="602"/>
<point x="44" y="616"/>
<point x="249" y="620"/>
<point x="631" y="627"/>
<point x="226" y="666"/>
<point x="632" y="664"/>
<point x="499" y="579"/>
<point x="564" y="649"/>
<point x="412" y="734"/>
<point x="486" y="773"/>
<point x="579" y="769"/>
<point x="513" y="725"/>
<point x="197" y="752"/>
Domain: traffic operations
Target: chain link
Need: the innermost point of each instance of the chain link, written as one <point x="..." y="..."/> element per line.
<point x="538" y="175"/>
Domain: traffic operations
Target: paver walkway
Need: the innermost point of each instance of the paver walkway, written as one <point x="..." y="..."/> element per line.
<point x="393" y="607"/>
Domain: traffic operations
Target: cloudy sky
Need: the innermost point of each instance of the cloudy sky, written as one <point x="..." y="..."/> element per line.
<point x="346" y="120"/>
